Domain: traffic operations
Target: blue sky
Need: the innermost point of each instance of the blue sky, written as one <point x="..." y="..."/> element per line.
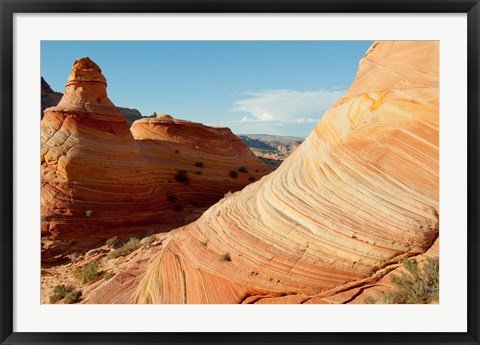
<point x="264" y="87"/>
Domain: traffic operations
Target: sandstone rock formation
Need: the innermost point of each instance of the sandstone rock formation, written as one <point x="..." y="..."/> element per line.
<point x="359" y="195"/>
<point x="99" y="182"/>
<point x="50" y="98"/>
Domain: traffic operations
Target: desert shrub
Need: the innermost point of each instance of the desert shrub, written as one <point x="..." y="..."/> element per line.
<point x="243" y="170"/>
<point x="72" y="297"/>
<point x="89" y="273"/>
<point x="199" y="164"/>
<point x="109" y="276"/>
<point x="46" y="218"/>
<point x="177" y="151"/>
<point x="112" y="242"/>
<point x="172" y="197"/>
<point x="228" y="194"/>
<point x="225" y="257"/>
<point x="198" y="172"/>
<point x="204" y="243"/>
<point x="195" y="203"/>
<point x="233" y="174"/>
<point x="418" y="286"/>
<point x="147" y="242"/>
<point x="178" y="207"/>
<point x="251" y="178"/>
<point x="126" y="248"/>
<point x="59" y="292"/>
<point x="89" y="213"/>
<point x="182" y="177"/>
<point x="256" y="170"/>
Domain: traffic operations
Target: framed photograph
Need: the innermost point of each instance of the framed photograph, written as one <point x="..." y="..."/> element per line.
<point x="239" y="172"/>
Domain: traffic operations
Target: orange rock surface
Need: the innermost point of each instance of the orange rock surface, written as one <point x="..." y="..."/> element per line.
<point x="359" y="195"/>
<point x="98" y="181"/>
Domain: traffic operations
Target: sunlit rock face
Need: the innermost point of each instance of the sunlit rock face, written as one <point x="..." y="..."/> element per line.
<point x="99" y="182"/>
<point x="356" y="197"/>
<point x="213" y="159"/>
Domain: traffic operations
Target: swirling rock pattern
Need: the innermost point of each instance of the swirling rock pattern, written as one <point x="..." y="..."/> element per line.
<point x="357" y="196"/>
<point x="98" y="181"/>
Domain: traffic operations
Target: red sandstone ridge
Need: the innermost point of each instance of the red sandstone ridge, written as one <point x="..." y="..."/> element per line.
<point x="99" y="182"/>
<point x="359" y="195"/>
<point x="213" y="159"/>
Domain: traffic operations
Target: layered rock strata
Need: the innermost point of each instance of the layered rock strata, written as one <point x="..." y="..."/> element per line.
<point x="359" y="195"/>
<point x="99" y="182"/>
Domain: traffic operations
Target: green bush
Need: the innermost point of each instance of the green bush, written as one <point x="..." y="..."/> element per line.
<point x="233" y="174"/>
<point x="147" y="242"/>
<point x="415" y="287"/>
<point x="126" y="249"/>
<point x="109" y="276"/>
<point x="89" y="273"/>
<point x="225" y="257"/>
<point x="182" y="177"/>
<point x="59" y="292"/>
<point x="112" y="242"/>
<point x="72" y="297"/>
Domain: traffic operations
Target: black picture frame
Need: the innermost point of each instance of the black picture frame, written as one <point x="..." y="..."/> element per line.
<point x="10" y="7"/>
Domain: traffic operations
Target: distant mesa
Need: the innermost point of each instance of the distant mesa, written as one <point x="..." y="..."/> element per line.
<point x="49" y="98"/>
<point x="102" y="179"/>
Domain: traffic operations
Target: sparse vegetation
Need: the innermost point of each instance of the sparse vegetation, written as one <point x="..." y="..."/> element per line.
<point x="147" y="242"/>
<point x="198" y="172"/>
<point x="256" y="170"/>
<point x="177" y="151"/>
<point x="126" y="248"/>
<point x="415" y="287"/>
<point x="89" y="213"/>
<point x="89" y="273"/>
<point x="233" y="174"/>
<point x="225" y="257"/>
<point x="59" y="292"/>
<point x="228" y="194"/>
<point x="46" y="218"/>
<point x="178" y="207"/>
<point x="72" y="297"/>
<point x="243" y="170"/>
<point x="195" y="203"/>
<point x="172" y="197"/>
<point x="199" y="164"/>
<point x="204" y="243"/>
<point x="71" y="242"/>
<point x="251" y="178"/>
<point x="182" y="177"/>
<point x="109" y="276"/>
<point x="112" y="242"/>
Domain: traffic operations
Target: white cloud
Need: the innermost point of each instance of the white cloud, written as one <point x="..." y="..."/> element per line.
<point x="285" y="106"/>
